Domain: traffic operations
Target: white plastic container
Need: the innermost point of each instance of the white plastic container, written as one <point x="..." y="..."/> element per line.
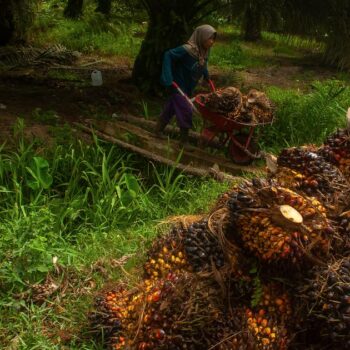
<point x="96" y="78"/>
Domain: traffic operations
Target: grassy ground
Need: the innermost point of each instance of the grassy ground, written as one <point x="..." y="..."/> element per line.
<point x="95" y="208"/>
<point x="305" y="93"/>
<point x="88" y="206"/>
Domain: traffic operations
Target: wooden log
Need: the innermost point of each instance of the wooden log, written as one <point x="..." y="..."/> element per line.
<point x="213" y="172"/>
<point x="194" y="156"/>
<point x="172" y="130"/>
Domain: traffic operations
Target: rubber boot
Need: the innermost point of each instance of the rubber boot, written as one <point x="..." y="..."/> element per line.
<point x="160" y="126"/>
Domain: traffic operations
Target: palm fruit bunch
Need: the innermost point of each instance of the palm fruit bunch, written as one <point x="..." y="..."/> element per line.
<point x="325" y="304"/>
<point x="167" y="254"/>
<point x="40" y="292"/>
<point x="257" y="108"/>
<point x="336" y="149"/>
<point x="343" y="224"/>
<point x="113" y="312"/>
<point x="243" y="196"/>
<point x="226" y="101"/>
<point x="276" y="223"/>
<point x="117" y="312"/>
<point x="289" y="178"/>
<point x="177" y="313"/>
<point x="222" y="200"/>
<point x="318" y="176"/>
<point x="266" y="321"/>
<point x="202" y="248"/>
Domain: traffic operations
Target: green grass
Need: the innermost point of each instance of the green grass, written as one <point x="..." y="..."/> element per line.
<point x="88" y="37"/>
<point x="95" y="33"/>
<point x="306" y="118"/>
<point x="231" y="52"/>
<point x="89" y="205"/>
<point x="85" y="205"/>
<point x="289" y="44"/>
<point x="233" y="55"/>
<point x="91" y="34"/>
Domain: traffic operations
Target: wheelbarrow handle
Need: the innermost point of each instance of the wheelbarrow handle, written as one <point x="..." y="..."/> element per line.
<point x="212" y="85"/>
<point x="177" y="87"/>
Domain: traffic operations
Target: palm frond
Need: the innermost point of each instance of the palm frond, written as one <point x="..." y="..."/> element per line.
<point x="11" y="56"/>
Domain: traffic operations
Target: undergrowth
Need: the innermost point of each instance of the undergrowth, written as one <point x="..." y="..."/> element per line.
<point x="73" y="210"/>
<point x="305" y="118"/>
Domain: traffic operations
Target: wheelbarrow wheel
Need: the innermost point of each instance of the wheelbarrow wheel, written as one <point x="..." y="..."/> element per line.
<point x="238" y="155"/>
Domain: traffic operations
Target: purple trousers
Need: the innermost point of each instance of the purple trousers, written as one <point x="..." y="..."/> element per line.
<point x="178" y="106"/>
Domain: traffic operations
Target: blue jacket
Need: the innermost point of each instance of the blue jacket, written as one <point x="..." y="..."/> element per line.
<point x="181" y="67"/>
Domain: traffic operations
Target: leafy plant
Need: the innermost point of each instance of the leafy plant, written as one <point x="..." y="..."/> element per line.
<point x="39" y="170"/>
<point x="145" y="109"/>
<point x="47" y="117"/>
<point x="169" y="186"/>
<point x="306" y="118"/>
<point x="27" y="246"/>
<point x="228" y="56"/>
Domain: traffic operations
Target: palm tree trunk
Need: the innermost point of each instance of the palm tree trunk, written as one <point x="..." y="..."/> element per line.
<point x="16" y="16"/>
<point x="7" y="24"/>
<point x="170" y="23"/>
<point x="104" y="7"/>
<point x="252" y="23"/>
<point x="160" y="37"/>
<point x="74" y="9"/>
<point x="338" y="38"/>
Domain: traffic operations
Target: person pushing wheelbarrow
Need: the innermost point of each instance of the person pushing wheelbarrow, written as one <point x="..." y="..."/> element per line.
<point x="182" y="69"/>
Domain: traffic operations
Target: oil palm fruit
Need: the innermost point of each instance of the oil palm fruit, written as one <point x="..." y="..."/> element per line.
<point x="264" y="323"/>
<point x="113" y="314"/>
<point x="343" y="244"/>
<point x="202" y="248"/>
<point x="256" y="108"/>
<point x="167" y="255"/>
<point x="325" y="298"/>
<point x="178" y="312"/>
<point x="276" y="223"/>
<point x="315" y="176"/>
<point x="336" y="149"/>
<point x="226" y="101"/>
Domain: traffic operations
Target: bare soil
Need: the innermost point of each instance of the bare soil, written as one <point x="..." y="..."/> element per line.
<point x="67" y="91"/>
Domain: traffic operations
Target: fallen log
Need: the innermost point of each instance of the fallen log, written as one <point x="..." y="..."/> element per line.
<point x="171" y="130"/>
<point x="211" y="172"/>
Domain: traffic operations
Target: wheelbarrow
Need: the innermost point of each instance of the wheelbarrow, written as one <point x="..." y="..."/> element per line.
<point x="236" y="136"/>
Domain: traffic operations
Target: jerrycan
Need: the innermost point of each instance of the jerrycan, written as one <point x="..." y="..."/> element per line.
<point x="96" y="78"/>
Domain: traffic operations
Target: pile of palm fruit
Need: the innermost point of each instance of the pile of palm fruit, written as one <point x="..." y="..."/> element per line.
<point x="182" y="311"/>
<point x="343" y="242"/>
<point x="325" y="311"/>
<point x="275" y="223"/>
<point x="336" y="150"/>
<point x="226" y="101"/>
<point x="304" y="170"/>
<point x="267" y="321"/>
<point x="253" y="108"/>
<point x="268" y="268"/>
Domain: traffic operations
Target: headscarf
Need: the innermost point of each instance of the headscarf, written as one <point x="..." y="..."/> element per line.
<point x="194" y="46"/>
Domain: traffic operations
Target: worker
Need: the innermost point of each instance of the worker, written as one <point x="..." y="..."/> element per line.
<point x="184" y="66"/>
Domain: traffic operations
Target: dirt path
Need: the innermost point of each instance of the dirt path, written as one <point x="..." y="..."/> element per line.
<point x="67" y="92"/>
